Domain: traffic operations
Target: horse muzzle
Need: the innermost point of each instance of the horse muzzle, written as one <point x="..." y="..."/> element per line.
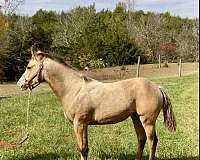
<point x="28" y="85"/>
<point x="33" y="85"/>
<point x="24" y="87"/>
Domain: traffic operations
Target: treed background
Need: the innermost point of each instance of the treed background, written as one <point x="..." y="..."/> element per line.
<point x="85" y="37"/>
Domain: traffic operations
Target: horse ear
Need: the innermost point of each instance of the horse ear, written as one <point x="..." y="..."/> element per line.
<point x="32" y="52"/>
<point x="39" y="55"/>
<point x="38" y="52"/>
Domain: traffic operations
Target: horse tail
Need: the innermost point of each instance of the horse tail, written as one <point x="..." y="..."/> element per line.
<point x="169" y="117"/>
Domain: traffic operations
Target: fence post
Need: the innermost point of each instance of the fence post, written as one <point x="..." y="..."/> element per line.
<point x="138" y="67"/>
<point x="179" y="68"/>
<point x="159" y="61"/>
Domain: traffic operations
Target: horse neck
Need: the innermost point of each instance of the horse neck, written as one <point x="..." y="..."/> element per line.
<point x="61" y="79"/>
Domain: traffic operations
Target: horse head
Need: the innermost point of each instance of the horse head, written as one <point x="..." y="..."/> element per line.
<point x="32" y="76"/>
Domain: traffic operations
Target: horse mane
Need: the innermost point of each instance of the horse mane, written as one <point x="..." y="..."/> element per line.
<point x="55" y="58"/>
<point x="61" y="61"/>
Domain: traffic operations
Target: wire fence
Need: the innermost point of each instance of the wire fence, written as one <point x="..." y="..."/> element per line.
<point x="146" y="70"/>
<point x="111" y="74"/>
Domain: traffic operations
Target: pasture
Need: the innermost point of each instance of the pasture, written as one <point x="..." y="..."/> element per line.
<point x="51" y="136"/>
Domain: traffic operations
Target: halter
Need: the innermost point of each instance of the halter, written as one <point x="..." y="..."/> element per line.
<point x="36" y="75"/>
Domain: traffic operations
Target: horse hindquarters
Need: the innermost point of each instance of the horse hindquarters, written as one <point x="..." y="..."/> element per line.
<point x="148" y="119"/>
<point x="148" y="106"/>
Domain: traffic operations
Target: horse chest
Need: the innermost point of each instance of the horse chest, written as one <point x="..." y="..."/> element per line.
<point x="68" y="107"/>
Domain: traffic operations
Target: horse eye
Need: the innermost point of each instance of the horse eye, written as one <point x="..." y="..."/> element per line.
<point x="28" y="67"/>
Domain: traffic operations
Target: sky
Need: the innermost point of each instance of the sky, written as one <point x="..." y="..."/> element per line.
<point x="183" y="8"/>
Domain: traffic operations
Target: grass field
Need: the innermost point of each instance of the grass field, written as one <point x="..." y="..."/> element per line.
<point x="51" y="136"/>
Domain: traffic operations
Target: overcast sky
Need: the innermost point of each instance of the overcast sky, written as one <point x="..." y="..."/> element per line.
<point x="183" y="8"/>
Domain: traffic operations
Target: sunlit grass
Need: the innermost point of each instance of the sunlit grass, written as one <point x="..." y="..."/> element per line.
<point x="51" y="136"/>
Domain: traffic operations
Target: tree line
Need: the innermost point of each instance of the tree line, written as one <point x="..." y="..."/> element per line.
<point x="85" y="37"/>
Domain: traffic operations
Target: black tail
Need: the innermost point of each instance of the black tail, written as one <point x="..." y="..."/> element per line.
<point x="169" y="117"/>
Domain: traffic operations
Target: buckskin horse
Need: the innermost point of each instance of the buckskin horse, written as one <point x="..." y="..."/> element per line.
<point x="87" y="101"/>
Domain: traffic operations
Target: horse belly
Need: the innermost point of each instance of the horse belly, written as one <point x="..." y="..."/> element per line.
<point x="112" y="114"/>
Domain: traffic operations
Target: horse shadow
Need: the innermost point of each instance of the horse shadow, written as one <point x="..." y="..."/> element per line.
<point x="47" y="156"/>
<point x="122" y="156"/>
<point x="101" y="156"/>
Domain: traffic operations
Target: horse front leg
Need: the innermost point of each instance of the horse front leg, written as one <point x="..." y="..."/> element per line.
<point x="80" y="130"/>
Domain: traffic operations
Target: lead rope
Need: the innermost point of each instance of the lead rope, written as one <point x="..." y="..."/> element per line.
<point x="26" y="136"/>
<point x="27" y="112"/>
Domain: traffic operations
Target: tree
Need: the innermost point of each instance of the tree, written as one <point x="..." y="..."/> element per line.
<point x="110" y="41"/>
<point x="16" y="49"/>
<point x="188" y="42"/>
<point x="68" y="37"/>
<point x="120" y="8"/>
<point x="44" y="25"/>
<point x="3" y="41"/>
<point x="168" y="51"/>
<point x="9" y="6"/>
<point x="86" y="37"/>
<point x="3" y="29"/>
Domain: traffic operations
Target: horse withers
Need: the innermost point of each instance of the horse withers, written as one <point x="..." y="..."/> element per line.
<point x="87" y="101"/>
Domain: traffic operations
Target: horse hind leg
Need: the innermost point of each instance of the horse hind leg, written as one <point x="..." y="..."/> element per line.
<point x="151" y="137"/>
<point x="141" y="136"/>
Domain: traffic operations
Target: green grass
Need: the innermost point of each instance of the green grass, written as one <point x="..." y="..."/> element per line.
<point x="51" y="136"/>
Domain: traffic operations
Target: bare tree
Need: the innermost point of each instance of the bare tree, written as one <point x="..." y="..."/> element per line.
<point x="131" y="8"/>
<point x="8" y="7"/>
<point x="72" y="26"/>
<point x="188" y="42"/>
<point x="149" y="34"/>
